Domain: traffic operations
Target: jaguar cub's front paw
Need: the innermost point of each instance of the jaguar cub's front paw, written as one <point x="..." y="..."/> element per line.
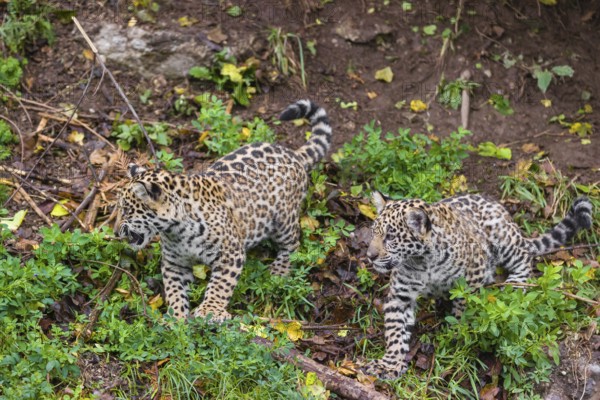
<point x="216" y="316"/>
<point x="385" y="369"/>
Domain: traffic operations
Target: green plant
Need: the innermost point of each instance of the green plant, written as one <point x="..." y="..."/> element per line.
<point x="402" y="165"/>
<point x="450" y="93"/>
<point x="238" y="80"/>
<point x="10" y="72"/>
<point x="129" y="134"/>
<point x="25" y="22"/>
<point x="226" y="133"/>
<point x="169" y="162"/>
<point x="7" y="138"/>
<point x="522" y="328"/>
<point x="283" y="55"/>
<point x="501" y="104"/>
<point x="545" y="76"/>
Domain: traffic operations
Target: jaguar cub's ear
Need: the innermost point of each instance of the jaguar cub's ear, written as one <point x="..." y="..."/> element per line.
<point x="418" y="221"/>
<point x="378" y="201"/>
<point x="145" y="194"/>
<point x="133" y="170"/>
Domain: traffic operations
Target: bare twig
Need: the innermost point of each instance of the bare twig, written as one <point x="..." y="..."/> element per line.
<point x="19" y="101"/>
<point x="579" y="246"/>
<point x="87" y="200"/>
<point x="104" y="293"/>
<point x="16" y="171"/>
<point x="64" y="127"/>
<point x="31" y="203"/>
<point x="117" y="86"/>
<point x="78" y="122"/>
<point x="466" y="100"/>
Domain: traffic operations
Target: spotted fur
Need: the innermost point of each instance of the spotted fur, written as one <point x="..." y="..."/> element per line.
<point x="251" y="194"/>
<point x="426" y="247"/>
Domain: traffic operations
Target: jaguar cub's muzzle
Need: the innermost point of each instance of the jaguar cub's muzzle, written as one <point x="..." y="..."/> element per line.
<point x="135" y="239"/>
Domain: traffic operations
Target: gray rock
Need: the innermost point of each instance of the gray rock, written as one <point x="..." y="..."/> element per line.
<point x="361" y="31"/>
<point x="160" y="51"/>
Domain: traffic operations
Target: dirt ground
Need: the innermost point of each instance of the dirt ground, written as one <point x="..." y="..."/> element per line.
<point x="343" y="70"/>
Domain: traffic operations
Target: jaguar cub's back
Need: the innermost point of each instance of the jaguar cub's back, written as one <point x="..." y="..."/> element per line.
<point x="251" y="194"/>
<point x="427" y="247"/>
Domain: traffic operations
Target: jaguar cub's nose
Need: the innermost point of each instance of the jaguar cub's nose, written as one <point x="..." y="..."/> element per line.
<point x="371" y="255"/>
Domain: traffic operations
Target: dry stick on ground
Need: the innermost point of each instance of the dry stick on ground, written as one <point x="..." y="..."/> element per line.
<point x="104" y="293"/>
<point x="64" y="127"/>
<point x="466" y="100"/>
<point x="18" y="100"/>
<point x="16" y="171"/>
<point x="77" y="122"/>
<point x="88" y="199"/>
<point x="117" y="86"/>
<point x="333" y="380"/>
<point x="92" y="213"/>
<point x="125" y="262"/>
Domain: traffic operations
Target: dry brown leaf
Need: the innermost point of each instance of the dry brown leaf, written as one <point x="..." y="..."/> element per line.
<point x="528" y="148"/>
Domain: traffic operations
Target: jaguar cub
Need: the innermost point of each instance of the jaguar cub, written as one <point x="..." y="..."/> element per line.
<point x="427" y="247"/>
<point x="251" y="194"/>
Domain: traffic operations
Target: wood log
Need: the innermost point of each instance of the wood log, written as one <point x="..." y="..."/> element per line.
<point x="333" y="380"/>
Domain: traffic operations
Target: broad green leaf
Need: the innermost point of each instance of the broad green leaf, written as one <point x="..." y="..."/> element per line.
<point x="234" y="11"/>
<point x="200" y="73"/>
<point x="543" y="79"/>
<point x="563" y="70"/>
<point x="429" y="30"/>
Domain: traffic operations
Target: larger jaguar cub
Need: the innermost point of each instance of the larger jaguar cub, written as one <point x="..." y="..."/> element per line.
<point x="252" y="194"/>
<point x="427" y="247"/>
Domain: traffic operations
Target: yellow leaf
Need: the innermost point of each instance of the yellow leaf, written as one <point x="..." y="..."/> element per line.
<point x="308" y="222"/>
<point x="587" y="109"/>
<point x="548" y="2"/>
<point x="491" y="298"/>
<point x="575" y="127"/>
<point x="384" y="74"/>
<point x="203" y="137"/>
<point x="546" y="102"/>
<point x="458" y="184"/>
<point x="342" y="333"/>
<point x="299" y="122"/>
<point x="294" y="331"/>
<point x="88" y="54"/>
<point x="232" y="72"/>
<point x="156" y="302"/>
<point x="58" y="210"/>
<point x="124" y="292"/>
<point x="15" y="222"/>
<point x="246" y="133"/>
<point x="417" y="106"/>
<point x="132" y="22"/>
<point x="199" y="271"/>
<point x="371" y="95"/>
<point x="367" y="211"/>
<point x="76" y="137"/>
<point x="185" y="21"/>
<point x="311" y="378"/>
<point x="180" y="90"/>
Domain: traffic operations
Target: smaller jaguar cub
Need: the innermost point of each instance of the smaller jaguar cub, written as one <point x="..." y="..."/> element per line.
<point x="427" y="247"/>
<point x="251" y="194"/>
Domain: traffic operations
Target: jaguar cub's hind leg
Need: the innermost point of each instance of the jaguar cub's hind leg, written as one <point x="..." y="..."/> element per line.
<point x="225" y="272"/>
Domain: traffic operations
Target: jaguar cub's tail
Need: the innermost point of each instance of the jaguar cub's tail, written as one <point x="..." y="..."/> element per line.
<point x="320" y="139"/>
<point x="579" y="217"/>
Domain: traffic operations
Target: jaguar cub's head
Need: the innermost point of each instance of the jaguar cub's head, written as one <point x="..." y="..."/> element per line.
<point x="399" y="232"/>
<point x="145" y="205"/>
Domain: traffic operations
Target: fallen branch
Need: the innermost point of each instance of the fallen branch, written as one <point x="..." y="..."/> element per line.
<point x="333" y="380"/>
<point x="34" y="206"/>
<point x="16" y="171"/>
<point x="466" y="100"/>
<point x="579" y="246"/>
<point x="77" y="122"/>
<point x="117" y="86"/>
<point x="88" y="199"/>
<point x="104" y="294"/>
